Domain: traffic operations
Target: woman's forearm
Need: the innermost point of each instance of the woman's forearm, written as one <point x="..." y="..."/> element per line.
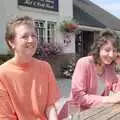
<point x="51" y="112"/>
<point x="115" y="98"/>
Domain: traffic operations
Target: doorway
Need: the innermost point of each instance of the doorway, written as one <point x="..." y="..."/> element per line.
<point x="83" y="42"/>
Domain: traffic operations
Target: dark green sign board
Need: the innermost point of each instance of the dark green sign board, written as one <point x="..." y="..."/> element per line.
<point x="40" y="4"/>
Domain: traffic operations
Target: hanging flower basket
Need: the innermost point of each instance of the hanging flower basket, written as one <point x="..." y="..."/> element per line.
<point x="68" y="26"/>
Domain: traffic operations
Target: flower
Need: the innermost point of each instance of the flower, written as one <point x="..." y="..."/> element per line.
<point x="68" y="26"/>
<point x="67" y="68"/>
<point x="48" y="49"/>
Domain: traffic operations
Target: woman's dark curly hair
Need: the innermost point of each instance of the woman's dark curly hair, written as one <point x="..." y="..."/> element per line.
<point x="103" y="38"/>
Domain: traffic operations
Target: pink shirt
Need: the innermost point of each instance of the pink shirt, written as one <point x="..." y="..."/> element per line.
<point x="26" y="90"/>
<point x="84" y="83"/>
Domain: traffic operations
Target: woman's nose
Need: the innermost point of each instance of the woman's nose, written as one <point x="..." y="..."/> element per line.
<point x="30" y="39"/>
<point x="111" y="53"/>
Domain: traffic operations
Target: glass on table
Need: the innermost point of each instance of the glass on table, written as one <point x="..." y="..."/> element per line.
<point x="73" y="111"/>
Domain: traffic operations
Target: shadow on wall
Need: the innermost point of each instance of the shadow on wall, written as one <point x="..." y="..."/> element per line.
<point x="57" y="62"/>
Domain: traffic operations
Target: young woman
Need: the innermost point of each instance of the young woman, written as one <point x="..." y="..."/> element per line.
<point x="28" y="88"/>
<point x="94" y="76"/>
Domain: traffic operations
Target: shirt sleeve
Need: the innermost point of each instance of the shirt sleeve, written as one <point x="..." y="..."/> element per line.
<point x="6" y="109"/>
<point x="53" y="91"/>
<point x="116" y="84"/>
<point x="79" y="86"/>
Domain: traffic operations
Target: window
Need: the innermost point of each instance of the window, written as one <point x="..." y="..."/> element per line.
<point x="40" y="29"/>
<point x="51" y="31"/>
<point x="45" y="30"/>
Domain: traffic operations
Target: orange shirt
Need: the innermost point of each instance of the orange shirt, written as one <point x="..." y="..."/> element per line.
<point x="26" y="90"/>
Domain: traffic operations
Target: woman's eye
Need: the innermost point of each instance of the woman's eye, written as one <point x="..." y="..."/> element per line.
<point x="115" y="50"/>
<point x="34" y="36"/>
<point x="107" y="50"/>
<point x="25" y="36"/>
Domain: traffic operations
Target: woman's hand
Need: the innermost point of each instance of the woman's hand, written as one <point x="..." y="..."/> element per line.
<point x="115" y="98"/>
<point x="51" y="112"/>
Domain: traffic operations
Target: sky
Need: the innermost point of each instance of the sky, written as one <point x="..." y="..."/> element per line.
<point x="112" y="6"/>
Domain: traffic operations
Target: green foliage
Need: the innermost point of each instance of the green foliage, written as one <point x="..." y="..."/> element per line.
<point x="67" y="68"/>
<point x="46" y="50"/>
<point x="117" y="68"/>
<point x="68" y="26"/>
<point x="5" y="57"/>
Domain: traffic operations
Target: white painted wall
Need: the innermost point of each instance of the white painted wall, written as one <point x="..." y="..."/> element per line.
<point x="70" y="46"/>
<point x="3" y="46"/>
<point x="10" y="9"/>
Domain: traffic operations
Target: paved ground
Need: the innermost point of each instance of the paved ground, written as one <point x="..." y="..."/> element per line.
<point x="64" y="85"/>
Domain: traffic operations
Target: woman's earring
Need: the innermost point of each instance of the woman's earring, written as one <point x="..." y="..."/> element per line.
<point x="13" y="47"/>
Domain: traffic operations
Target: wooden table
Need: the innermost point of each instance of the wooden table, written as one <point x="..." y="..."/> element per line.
<point x="108" y="112"/>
